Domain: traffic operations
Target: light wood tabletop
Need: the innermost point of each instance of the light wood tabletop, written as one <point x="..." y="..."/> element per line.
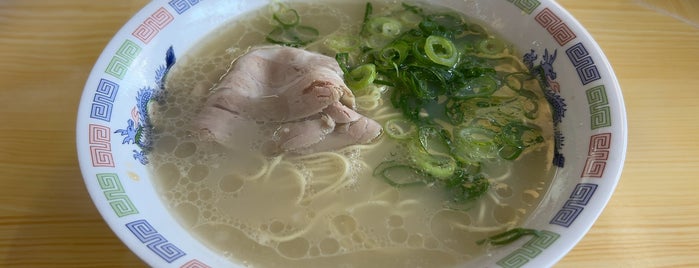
<point x="48" y="47"/>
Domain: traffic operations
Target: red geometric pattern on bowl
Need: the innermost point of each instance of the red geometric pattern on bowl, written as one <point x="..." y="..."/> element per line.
<point x="100" y="146"/>
<point x="152" y="25"/>
<point x="555" y="26"/>
<point x="597" y="156"/>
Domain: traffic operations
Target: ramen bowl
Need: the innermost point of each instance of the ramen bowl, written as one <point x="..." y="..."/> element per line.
<point x="113" y="127"/>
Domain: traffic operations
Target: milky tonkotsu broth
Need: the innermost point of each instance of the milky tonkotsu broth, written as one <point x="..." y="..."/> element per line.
<point x="293" y="211"/>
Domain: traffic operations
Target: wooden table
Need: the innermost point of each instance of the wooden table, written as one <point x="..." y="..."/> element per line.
<point x="48" y="47"/>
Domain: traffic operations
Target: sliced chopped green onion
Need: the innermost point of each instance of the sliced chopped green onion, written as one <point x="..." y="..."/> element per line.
<point x="295" y="36"/>
<point x="367" y="15"/>
<point x="507" y="237"/>
<point x="391" y="29"/>
<point x="449" y="24"/>
<point x="289" y="32"/>
<point x="475" y="143"/>
<point x="466" y="187"/>
<point x="510" y="152"/>
<point x="392" y="56"/>
<point x="476" y="87"/>
<point x="437" y="65"/>
<point x="530" y="106"/>
<point x="361" y="77"/>
<point x="412" y="8"/>
<point x="342" y="43"/>
<point x="384" y="26"/>
<point x="384" y="83"/>
<point x="397" y="174"/>
<point x="491" y="46"/>
<point x="285" y="16"/>
<point x="409" y="105"/>
<point x="377" y="41"/>
<point x="438" y="166"/>
<point x="470" y="167"/>
<point x="515" y="137"/>
<point x="476" y="29"/>
<point x="434" y="140"/>
<point x="515" y="81"/>
<point x="343" y="60"/>
<point x="410" y="18"/>
<point x="418" y="51"/>
<point x="462" y="154"/>
<point x="441" y="51"/>
<point x="400" y="128"/>
<point x="455" y="111"/>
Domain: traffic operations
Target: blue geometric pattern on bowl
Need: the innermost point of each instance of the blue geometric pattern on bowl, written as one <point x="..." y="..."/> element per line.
<point x="581" y="195"/>
<point x="147" y="234"/>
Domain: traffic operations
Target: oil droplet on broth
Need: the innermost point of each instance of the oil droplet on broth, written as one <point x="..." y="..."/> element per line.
<point x="504" y="214"/>
<point x="230" y="183"/>
<point x="192" y="197"/>
<point x="395" y="221"/>
<point x="344" y="224"/>
<point x="431" y="243"/>
<point x="205" y="194"/>
<point x="185" y="149"/>
<point x="314" y="252"/>
<point x="329" y="246"/>
<point x="503" y="190"/>
<point x="415" y="241"/>
<point x="276" y="227"/>
<point x="398" y="235"/>
<point x="189" y="214"/>
<point x="296" y="248"/>
<point x="169" y="175"/>
<point x="446" y="226"/>
<point x="198" y="173"/>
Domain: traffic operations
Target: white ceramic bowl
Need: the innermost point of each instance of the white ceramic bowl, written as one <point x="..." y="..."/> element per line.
<point x="591" y="141"/>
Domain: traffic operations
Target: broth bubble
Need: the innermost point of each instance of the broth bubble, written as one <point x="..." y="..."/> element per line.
<point x="329" y="246"/>
<point x="296" y="248"/>
<point x="398" y="235"/>
<point x="185" y="149"/>
<point x="230" y="183"/>
<point x="344" y="224"/>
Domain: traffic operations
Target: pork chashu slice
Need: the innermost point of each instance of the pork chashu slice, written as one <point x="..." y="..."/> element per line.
<point x="288" y="86"/>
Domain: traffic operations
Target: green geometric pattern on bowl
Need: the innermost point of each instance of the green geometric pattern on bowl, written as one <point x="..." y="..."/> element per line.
<point x="115" y="194"/>
<point x="530" y="250"/>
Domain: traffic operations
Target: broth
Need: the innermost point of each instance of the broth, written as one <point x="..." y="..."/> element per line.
<point x="323" y="209"/>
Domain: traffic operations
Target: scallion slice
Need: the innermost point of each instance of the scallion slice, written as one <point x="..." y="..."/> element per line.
<point x="400" y="128"/>
<point x="441" y="51"/>
<point x="361" y="77"/>
<point x="397" y="174"/>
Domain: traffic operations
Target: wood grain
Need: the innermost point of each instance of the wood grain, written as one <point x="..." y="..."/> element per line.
<point x="47" y="49"/>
